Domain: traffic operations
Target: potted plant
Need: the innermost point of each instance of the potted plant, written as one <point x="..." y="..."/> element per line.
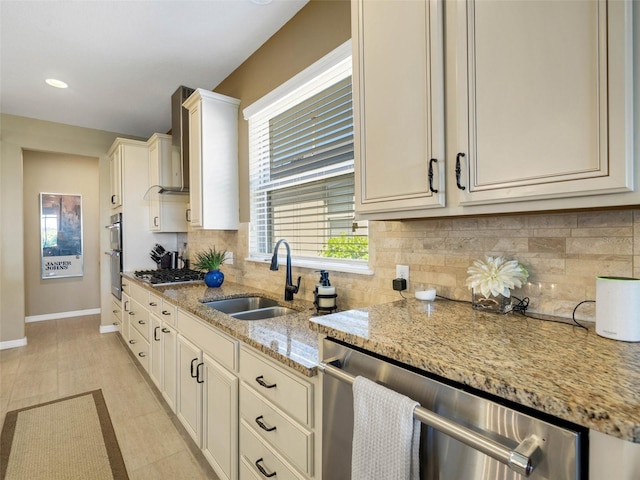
<point x="210" y="260"/>
<point x="491" y="282"/>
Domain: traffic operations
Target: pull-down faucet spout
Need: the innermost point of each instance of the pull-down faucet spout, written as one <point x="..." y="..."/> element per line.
<point x="289" y="288"/>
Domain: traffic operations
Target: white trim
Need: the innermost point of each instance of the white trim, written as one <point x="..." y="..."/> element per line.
<point x="320" y="264"/>
<point x="308" y="74"/>
<point x="56" y="316"/>
<point x="108" y="328"/>
<point x="21" y="342"/>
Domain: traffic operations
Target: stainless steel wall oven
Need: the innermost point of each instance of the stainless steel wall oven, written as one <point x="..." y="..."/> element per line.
<point x="115" y="254"/>
<point x="465" y="435"/>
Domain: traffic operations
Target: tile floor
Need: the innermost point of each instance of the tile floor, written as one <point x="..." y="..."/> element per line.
<point x="69" y="356"/>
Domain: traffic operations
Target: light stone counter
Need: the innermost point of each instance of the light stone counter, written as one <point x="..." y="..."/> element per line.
<point x="287" y="339"/>
<point x="555" y="368"/>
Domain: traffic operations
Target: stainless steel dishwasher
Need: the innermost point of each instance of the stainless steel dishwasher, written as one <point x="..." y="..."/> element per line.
<point x="464" y="436"/>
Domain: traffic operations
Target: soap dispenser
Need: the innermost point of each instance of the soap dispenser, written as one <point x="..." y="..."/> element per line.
<point x="324" y="294"/>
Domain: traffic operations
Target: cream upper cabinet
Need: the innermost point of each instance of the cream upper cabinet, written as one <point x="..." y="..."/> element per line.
<point x="398" y="105"/>
<point x="115" y="171"/>
<point x="543" y="104"/>
<point x="213" y="161"/>
<point x="167" y="212"/>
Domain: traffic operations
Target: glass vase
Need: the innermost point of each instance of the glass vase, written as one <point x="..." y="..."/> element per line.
<point x="499" y="304"/>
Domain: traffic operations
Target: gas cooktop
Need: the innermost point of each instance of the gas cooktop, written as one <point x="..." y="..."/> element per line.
<point x="168" y="276"/>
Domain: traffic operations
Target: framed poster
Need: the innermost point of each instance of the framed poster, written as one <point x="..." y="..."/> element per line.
<point x="61" y="235"/>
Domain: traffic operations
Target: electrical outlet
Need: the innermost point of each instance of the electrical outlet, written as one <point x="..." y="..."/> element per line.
<point x="402" y="271"/>
<point x="228" y="258"/>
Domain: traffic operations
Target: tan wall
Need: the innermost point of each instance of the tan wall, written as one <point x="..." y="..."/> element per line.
<point x="18" y="134"/>
<point x="563" y="251"/>
<point x="68" y="174"/>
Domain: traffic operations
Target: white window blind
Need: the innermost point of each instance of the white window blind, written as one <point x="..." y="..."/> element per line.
<point x="301" y="170"/>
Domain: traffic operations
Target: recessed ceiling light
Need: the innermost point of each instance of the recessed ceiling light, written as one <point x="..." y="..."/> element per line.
<point x="56" y="83"/>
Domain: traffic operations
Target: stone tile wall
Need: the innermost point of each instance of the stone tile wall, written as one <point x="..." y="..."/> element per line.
<point x="563" y="253"/>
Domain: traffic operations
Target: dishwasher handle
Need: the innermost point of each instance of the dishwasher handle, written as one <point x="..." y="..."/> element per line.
<point x="522" y="459"/>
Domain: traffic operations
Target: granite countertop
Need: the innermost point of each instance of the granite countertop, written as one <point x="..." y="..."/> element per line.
<point x="555" y="368"/>
<point x="287" y="339"/>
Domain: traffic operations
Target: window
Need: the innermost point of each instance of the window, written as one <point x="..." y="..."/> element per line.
<point x="302" y="171"/>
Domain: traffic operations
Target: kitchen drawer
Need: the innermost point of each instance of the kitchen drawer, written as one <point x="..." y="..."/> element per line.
<point x="287" y="436"/>
<point x="126" y="286"/>
<point x="140" y="294"/>
<point x="116" y="315"/>
<point x="282" y="388"/>
<point x="154" y="304"/>
<point x="168" y="312"/>
<point x="218" y="345"/>
<point x="140" y="347"/>
<point x="139" y="319"/>
<point x="253" y="452"/>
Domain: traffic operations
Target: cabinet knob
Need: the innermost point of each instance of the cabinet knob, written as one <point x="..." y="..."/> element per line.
<point x="153" y="304"/>
<point x="166" y="330"/>
<point x="142" y="354"/>
<point x="132" y="342"/>
<point x="141" y="322"/>
<point x="166" y="312"/>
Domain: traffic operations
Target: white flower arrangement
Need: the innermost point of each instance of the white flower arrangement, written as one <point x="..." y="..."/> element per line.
<point x="496" y="276"/>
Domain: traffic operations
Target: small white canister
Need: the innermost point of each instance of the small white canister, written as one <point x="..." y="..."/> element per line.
<point x="618" y="308"/>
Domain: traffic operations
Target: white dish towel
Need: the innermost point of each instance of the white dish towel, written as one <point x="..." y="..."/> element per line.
<point x="386" y="437"/>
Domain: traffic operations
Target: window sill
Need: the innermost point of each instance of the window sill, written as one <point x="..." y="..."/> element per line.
<point x="329" y="265"/>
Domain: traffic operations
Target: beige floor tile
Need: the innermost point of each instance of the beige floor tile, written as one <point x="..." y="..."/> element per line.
<point x="65" y="357"/>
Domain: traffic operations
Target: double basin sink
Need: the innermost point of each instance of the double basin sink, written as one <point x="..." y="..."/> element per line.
<point x="250" y="308"/>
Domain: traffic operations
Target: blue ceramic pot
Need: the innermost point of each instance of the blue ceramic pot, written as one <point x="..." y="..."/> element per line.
<point x="214" y="278"/>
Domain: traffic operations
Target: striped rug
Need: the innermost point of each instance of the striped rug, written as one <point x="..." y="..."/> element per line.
<point x="66" y="439"/>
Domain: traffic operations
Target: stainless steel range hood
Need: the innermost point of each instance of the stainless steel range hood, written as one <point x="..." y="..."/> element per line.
<point x="178" y="180"/>
<point x="180" y="140"/>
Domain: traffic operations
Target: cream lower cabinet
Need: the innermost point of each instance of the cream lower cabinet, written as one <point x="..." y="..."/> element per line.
<point x="398" y="105"/>
<point x="276" y="420"/>
<point x="207" y="400"/>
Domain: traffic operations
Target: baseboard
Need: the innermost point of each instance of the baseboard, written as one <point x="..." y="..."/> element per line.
<point x="21" y="342"/>
<point x="56" y="316"/>
<point x="108" y="328"/>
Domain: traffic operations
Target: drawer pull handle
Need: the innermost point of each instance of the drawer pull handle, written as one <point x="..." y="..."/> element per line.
<point x="262" y="470"/>
<point x="193" y="375"/>
<point x="132" y="313"/>
<point x="198" y="373"/>
<point x="166" y="312"/>
<point x="262" y="382"/>
<point x="115" y="311"/>
<point x="155" y="331"/>
<point x="132" y="342"/>
<point x="116" y="323"/>
<point x="166" y="330"/>
<point x="263" y="426"/>
<point x="153" y="304"/>
<point x="141" y="322"/>
<point x="142" y="354"/>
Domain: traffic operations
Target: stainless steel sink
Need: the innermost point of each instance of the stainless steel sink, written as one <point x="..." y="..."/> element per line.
<point x="242" y="304"/>
<point x="263" y="313"/>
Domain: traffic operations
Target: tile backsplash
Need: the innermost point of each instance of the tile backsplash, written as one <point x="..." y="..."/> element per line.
<point x="563" y="253"/>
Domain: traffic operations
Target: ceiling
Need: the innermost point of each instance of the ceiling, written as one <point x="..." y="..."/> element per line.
<point x="123" y="59"/>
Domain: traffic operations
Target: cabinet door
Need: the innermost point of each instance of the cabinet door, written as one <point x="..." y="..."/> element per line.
<point x="115" y="167"/>
<point x="220" y="419"/>
<point x="195" y="165"/>
<point x="189" y="404"/>
<point x="126" y="307"/>
<point x="169" y="364"/>
<point x="156" y="339"/>
<point x="541" y="92"/>
<point x="398" y="105"/>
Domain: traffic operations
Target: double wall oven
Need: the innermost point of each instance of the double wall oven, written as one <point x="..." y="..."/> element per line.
<point x="115" y="254"/>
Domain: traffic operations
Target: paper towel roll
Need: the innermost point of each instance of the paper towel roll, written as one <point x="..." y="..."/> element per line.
<point x="618" y="308"/>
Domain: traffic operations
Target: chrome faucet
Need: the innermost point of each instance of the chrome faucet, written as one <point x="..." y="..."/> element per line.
<point x="289" y="288"/>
